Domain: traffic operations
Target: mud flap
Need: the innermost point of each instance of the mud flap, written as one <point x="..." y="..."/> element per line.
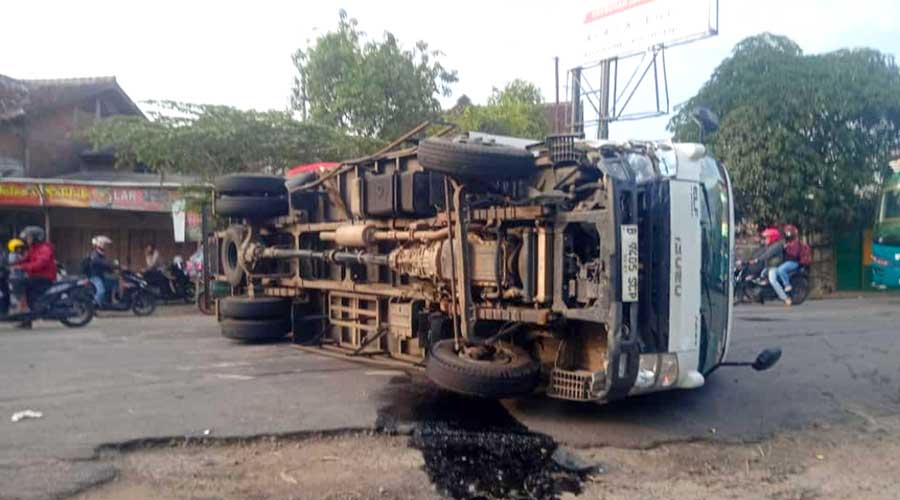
<point x="624" y="362"/>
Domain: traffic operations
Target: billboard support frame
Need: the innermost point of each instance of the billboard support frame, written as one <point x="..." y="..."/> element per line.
<point x="610" y="108"/>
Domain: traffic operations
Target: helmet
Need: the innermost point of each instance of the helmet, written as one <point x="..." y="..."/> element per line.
<point x="100" y="241"/>
<point x="14" y="244"/>
<point x="771" y="234"/>
<point x="790" y="231"/>
<point x="37" y="233"/>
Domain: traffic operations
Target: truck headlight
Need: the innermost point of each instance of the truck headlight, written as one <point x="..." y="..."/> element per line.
<point x="647" y="369"/>
<point x="668" y="370"/>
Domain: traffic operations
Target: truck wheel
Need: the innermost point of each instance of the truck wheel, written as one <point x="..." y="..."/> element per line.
<point x="510" y="371"/>
<point x="231" y="249"/>
<point x="256" y="308"/>
<point x="251" y="207"/>
<point x="256" y="330"/>
<point x="250" y="184"/>
<point x="475" y="160"/>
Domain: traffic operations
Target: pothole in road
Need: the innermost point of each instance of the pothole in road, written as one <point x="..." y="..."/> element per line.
<point x="474" y="449"/>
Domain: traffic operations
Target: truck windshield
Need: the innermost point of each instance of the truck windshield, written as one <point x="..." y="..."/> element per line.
<point x="715" y="265"/>
<point x="890" y="205"/>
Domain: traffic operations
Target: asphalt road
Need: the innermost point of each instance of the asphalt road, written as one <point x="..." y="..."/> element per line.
<point x="123" y="379"/>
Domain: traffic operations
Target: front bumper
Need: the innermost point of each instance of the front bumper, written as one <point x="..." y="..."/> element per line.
<point x="885" y="276"/>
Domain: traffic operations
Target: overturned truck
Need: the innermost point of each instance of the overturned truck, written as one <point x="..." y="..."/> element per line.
<point x="590" y="270"/>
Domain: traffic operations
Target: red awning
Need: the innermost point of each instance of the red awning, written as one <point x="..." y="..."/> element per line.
<point x="312" y="167"/>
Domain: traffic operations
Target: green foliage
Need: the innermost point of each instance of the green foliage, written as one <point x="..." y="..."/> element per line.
<point x="517" y="110"/>
<point x="209" y="140"/>
<point x="806" y="138"/>
<point x="372" y="89"/>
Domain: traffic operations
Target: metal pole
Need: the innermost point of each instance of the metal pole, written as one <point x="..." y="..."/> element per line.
<point x="577" y="118"/>
<point x="556" y="108"/>
<point x="603" y="129"/>
<point x="204" y="240"/>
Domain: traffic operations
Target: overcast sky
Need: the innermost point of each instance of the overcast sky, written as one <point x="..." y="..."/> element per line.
<point x="239" y="53"/>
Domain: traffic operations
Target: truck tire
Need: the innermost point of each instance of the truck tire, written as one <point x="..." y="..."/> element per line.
<point x="250" y="184"/>
<point x="251" y="207"/>
<point x="475" y="160"/>
<point x="255" y="330"/>
<point x="231" y="265"/>
<point x="513" y="375"/>
<point x="256" y="308"/>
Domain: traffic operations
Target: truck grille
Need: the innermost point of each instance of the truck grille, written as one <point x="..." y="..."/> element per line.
<point x="572" y="385"/>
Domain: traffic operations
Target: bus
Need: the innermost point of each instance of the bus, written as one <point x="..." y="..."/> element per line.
<point x="886" y="237"/>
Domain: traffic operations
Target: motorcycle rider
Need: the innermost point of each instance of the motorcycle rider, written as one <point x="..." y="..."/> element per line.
<point x="98" y="267"/>
<point x="15" y="277"/>
<point x="153" y="270"/>
<point x="39" y="264"/>
<point x="771" y="247"/>
<point x="793" y="248"/>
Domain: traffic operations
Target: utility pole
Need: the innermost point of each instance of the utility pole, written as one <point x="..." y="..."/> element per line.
<point x="556" y="127"/>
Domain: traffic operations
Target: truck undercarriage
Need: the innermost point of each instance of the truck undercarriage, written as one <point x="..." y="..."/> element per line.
<point x="497" y="268"/>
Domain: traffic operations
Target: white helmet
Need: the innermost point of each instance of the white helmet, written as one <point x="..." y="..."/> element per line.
<point x="100" y="241"/>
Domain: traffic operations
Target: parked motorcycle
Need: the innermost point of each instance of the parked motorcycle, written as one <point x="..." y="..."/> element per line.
<point x="66" y="301"/>
<point x="135" y="294"/>
<point x="178" y="287"/>
<point x="751" y="285"/>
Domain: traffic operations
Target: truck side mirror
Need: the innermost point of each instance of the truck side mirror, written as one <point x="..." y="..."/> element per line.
<point x="766" y="359"/>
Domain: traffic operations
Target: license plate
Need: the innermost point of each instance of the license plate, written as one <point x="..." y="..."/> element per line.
<point x="629" y="262"/>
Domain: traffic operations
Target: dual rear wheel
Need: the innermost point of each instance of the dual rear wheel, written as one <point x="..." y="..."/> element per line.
<point x="260" y="319"/>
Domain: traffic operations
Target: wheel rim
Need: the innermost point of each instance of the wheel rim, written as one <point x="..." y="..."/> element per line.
<point x="499" y="356"/>
<point x="231" y="254"/>
<point x="83" y="313"/>
<point x="142" y="304"/>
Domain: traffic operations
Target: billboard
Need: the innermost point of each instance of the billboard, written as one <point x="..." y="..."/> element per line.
<point x="622" y="28"/>
<point x="39" y="194"/>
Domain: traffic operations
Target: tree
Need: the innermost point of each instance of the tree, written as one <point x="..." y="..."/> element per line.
<point x="806" y="138"/>
<point x="209" y="140"/>
<point x="372" y="89"/>
<point x="517" y="110"/>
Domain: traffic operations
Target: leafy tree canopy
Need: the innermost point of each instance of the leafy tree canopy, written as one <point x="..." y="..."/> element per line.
<point x="210" y="140"/>
<point x="806" y="138"/>
<point x="372" y="89"/>
<point x="516" y="110"/>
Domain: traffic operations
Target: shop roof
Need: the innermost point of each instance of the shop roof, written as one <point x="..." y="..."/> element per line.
<point x="25" y="97"/>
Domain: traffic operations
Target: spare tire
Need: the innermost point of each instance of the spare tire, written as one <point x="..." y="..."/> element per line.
<point x="513" y="373"/>
<point x="249" y="184"/>
<point x="255" y="308"/>
<point x="251" y="207"/>
<point x="255" y="330"/>
<point x="475" y="160"/>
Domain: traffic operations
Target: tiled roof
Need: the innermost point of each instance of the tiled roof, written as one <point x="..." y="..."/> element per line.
<point x="13" y="98"/>
<point x="20" y="97"/>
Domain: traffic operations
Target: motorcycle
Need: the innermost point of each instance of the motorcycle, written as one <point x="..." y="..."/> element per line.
<point x="135" y="294"/>
<point x="752" y="285"/>
<point x="179" y="287"/>
<point x="65" y="301"/>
